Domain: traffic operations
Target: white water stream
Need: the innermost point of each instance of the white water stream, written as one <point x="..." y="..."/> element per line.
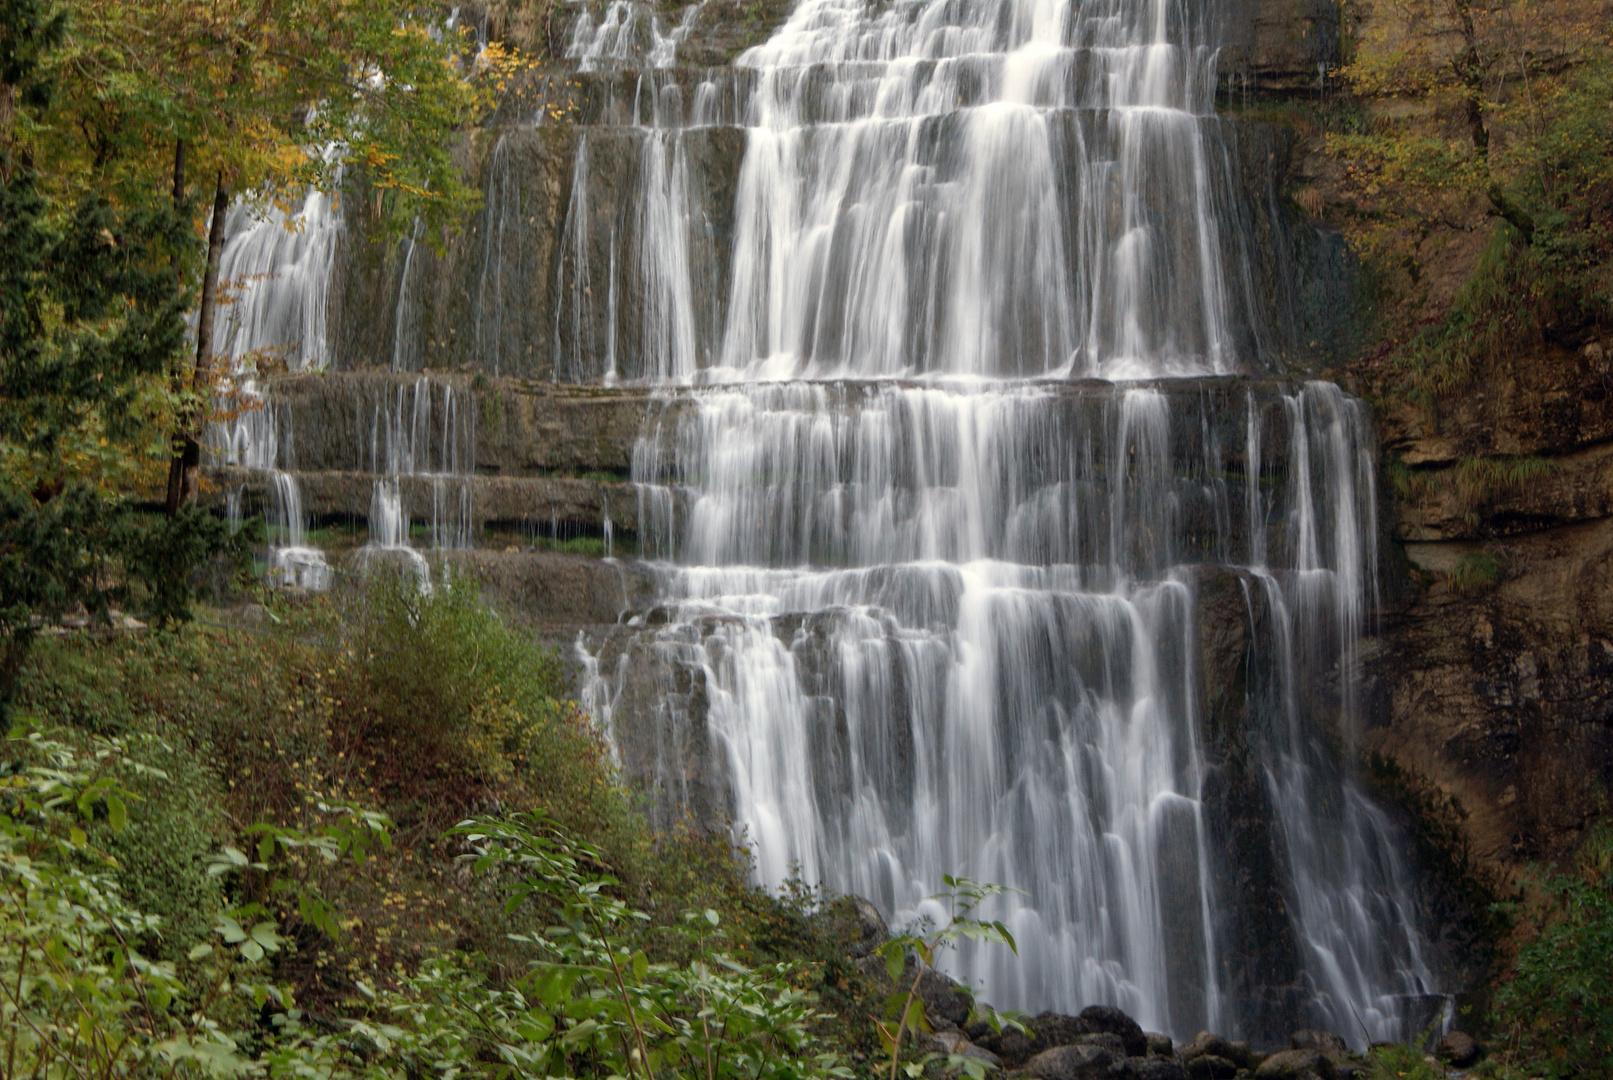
<point x="943" y="591"/>
<point x="942" y="605"/>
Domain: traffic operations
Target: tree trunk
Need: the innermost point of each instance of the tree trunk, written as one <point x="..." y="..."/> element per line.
<point x="179" y="173"/>
<point x="8" y="122"/>
<point x="182" y="471"/>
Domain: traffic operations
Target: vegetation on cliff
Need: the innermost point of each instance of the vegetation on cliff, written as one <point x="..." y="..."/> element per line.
<point x="1475" y="149"/>
<point x="109" y="110"/>
<point x="239" y="851"/>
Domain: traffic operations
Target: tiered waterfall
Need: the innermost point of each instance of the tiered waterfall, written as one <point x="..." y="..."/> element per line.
<point x="994" y="537"/>
<point x="935" y="584"/>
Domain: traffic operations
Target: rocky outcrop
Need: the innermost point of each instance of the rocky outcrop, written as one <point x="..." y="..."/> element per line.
<point x="1494" y="684"/>
<point x="1282" y="45"/>
<point x="589" y="507"/>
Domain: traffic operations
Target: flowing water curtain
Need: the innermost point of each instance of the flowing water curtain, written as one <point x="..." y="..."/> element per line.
<point x="275" y="273"/>
<point x="992" y="188"/>
<point x="994" y="678"/>
<point x="422" y="443"/>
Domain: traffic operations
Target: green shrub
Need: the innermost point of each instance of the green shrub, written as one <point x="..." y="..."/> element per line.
<point x="162" y="854"/>
<point x="1398" y="1062"/>
<point x="1557" y="1007"/>
<point x="1474" y="571"/>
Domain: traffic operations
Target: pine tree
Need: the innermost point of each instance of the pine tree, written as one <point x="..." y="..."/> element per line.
<point x="92" y="326"/>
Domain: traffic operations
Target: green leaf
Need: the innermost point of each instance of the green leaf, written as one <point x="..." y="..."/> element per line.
<point x="895" y="960"/>
<point x="200" y="952"/>
<point x="580" y="1032"/>
<point x="264" y="934"/>
<point x="641" y="965"/>
<point x="117" y="815"/>
<point x="711" y="917"/>
<point x="916" y="1020"/>
<point x="265" y="848"/>
<point x="76" y="837"/>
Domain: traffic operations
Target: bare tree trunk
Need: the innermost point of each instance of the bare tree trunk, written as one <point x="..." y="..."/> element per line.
<point x="182" y="471"/>
<point x="8" y="121"/>
<point x="179" y="173"/>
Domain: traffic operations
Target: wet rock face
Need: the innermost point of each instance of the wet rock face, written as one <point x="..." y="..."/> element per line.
<point x="1280" y="45"/>
<point x="1494" y="684"/>
<point x="487" y="298"/>
<point x="1261" y="956"/>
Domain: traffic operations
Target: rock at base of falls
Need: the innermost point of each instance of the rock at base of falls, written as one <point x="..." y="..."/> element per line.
<point x="871" y="929"/>
<point x="1149" y="1068"/>
<point x="1109" y="1020"/>
<point x="1459" y="1048"/>
<point x="1080" y="1062"/>
<point x="1212" y="1067"/>
<point x="1042" y="1032"/>
<point x="1296" y="1065"/>
<point x="1210" y="1045"/>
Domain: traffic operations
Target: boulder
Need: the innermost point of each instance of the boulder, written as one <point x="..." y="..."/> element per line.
<point x="1148" y="1068"/>
<point x="954" y="1043"/>
<point x="1209" y="1043"/>
<point x="1458" y="1048"/>
<point x="1042" y="1032"/>
<point x="945" y="1002"/>
<point x="869" y="926"/>
<point x="1211" y="1067"/>
<point x="1110" y="1019"/>
<point x="1071" y="1063"/>
<point x="1325" y="1043"/>
<point x="1055" y="1029"/>
<point x="1296" y="1065"/>
<point x="1160" y="1045"/>
<point x="1106" y="1039"/>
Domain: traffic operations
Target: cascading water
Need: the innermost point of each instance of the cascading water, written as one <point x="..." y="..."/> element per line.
<point x="962" y="440"/>
<point x="626" y="33"/>
<point x="931" y="599"/>
<point x="274" y="275"/>
<point x="257" y="438"/>
<point x="424" y="430"/>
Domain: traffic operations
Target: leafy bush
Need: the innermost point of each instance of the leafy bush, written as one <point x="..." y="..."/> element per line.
<point x="1396" y="1062"/>
<point x="1557" y="1007"/>
<point x="163" y="853"/>
<point x="591" y="1004"/>
<point x="78" y="998"/>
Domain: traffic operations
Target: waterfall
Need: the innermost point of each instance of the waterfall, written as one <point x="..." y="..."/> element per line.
<point x="257" y="436"/>
<point x="994" y="535"/>
<point x="424" y="430"/>
<point x="274" y="277"/>
<point x="935" y="510"/>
